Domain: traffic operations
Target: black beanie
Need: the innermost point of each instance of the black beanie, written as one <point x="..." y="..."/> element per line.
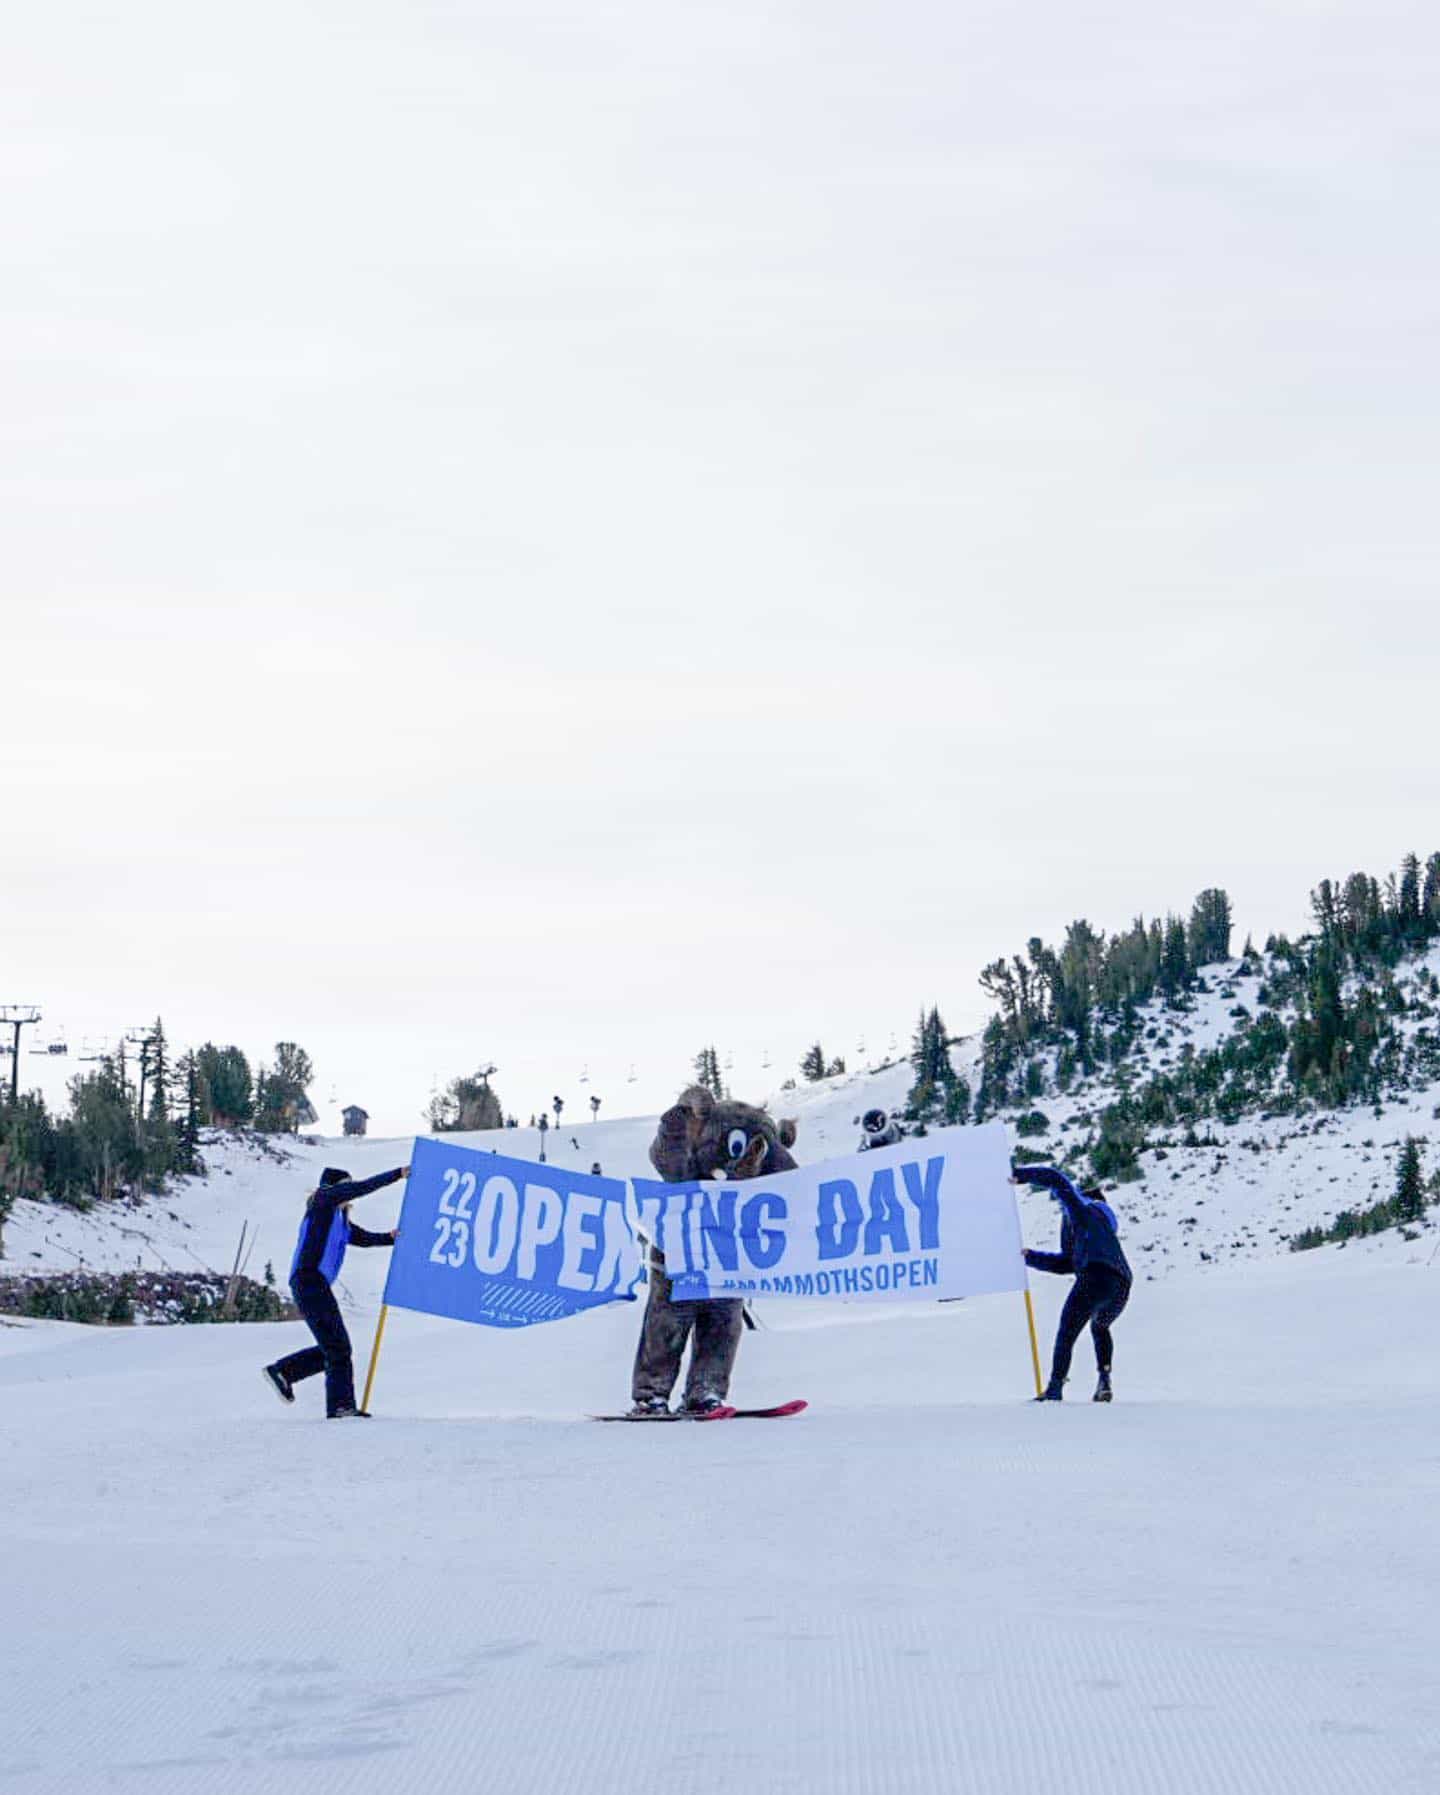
<point x="333" y="1175"/>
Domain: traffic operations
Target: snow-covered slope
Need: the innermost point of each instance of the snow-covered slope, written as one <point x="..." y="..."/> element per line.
<point x="925" y="1585"/>
<point x="1255" y="1182"/>
<point x="1240" y="1196"/>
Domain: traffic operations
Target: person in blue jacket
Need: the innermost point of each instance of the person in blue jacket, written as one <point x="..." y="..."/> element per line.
<point x="1090" y="1248"/>
<point x="325" y="1232"/>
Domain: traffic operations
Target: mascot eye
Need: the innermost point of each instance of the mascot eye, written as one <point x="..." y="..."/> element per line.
<point x="737" y="1142"/>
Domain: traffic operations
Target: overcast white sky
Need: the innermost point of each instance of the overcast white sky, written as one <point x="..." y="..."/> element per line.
<point x="567" y="532"/>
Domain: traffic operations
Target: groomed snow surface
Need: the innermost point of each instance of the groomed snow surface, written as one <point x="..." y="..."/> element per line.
<point x="1226" y="1581"/>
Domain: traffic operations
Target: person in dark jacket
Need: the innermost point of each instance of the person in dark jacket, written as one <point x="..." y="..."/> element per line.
<point x="325" y="1233"/>
<point x="1090" y="1248"/>
<point x="880" y="1130"/>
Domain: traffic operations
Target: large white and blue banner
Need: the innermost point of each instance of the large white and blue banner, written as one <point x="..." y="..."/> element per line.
<point x="507" y="1243"/>
<point x="930" y="1217"/>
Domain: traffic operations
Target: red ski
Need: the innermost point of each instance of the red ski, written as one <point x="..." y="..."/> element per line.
<point x="784" y="1408"/>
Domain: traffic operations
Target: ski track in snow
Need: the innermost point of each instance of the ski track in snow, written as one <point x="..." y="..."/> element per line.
<point x="1223" y="1585"/>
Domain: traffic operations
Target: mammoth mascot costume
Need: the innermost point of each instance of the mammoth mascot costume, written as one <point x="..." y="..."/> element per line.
<point x="702" y="1137"/>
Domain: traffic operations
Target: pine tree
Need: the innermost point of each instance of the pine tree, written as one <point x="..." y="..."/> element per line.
<point x="187" y="1133"/>
<point x="103" y="1143"/>
<point x="1408" y="898"/>
<point x="707" y="1071"/>
<point x="813" y="1064"/>
<point x="226" y="1089"/>
<point x="1175" y="961"/>
<point x="930" y="1095"/>
<point x="1208" y="934"/>
<point x="467" y="1105"/>
<point x="280" y="1097"/>
<point x="157" y="1135"/>
<point x="1326" y="910"/>
<point x="1430" y="898"/>
<point x="1409" y="1199"/>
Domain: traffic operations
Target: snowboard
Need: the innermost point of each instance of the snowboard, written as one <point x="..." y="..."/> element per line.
<point x="723" y="1414"/>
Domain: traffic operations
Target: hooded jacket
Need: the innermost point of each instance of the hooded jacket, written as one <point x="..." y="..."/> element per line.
<point x="326" y="1230"/>
<point x="1088" y="1235"/>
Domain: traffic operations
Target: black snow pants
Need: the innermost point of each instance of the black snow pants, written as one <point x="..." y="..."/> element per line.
<point x="1098" y="1295"/>
<point x="713" y="1329"/>
<point x="316" y="1302"/>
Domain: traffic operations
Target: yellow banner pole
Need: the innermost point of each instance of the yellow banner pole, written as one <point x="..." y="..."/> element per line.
<point x="380" y="1335"/>
<point x="1034" y="1343"/>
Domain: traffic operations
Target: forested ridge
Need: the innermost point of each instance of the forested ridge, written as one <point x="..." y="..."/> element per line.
<point x="1345" y="1015"/>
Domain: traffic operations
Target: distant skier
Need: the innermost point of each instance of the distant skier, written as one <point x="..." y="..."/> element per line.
<point x="880" y="1130"/>
<point x="1090" y="1248"/>
<point x="325" y="1233"/>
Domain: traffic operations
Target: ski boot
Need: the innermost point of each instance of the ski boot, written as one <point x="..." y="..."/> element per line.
<point x="706" y="1403"/>
<point x="1052" y="1392"/>
<point x="349" y="1415"/>
<point x="278" y="1382"/>
<point x="651" y="1408"/>
<point x="1102" y="1389"/>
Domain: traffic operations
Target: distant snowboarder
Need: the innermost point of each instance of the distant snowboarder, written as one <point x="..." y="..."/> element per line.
<point x="325" y="1233"/>
<point x="1090" y="1248"/>
<point x="880" y="1130"/>
<point x="698" y="1137"/>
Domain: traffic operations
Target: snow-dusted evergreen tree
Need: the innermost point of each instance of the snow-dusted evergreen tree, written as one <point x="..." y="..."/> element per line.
<point x="280" y="1090"/>
<point x="1207" y="936"/>
<point x="1175" y="960"/>
<point x="1430" y="895"/>
<point x="157" y="1135"/>
<point x="937" y="1094"/>
<point x="226" y="1088"/>
<point x="1409" y="1198"/>
<point x="707" y="1071"/>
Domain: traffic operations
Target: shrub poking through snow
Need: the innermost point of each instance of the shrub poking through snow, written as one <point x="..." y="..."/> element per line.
<point x="118" y="1298"/>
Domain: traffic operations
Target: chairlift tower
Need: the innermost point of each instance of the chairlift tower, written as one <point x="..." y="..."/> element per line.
<point x="18" y="1016"/>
